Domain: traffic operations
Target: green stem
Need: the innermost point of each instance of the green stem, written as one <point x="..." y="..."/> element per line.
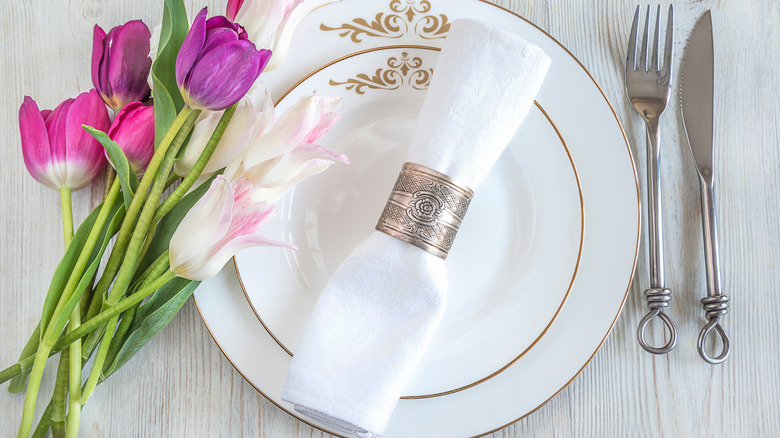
<point x="74" y="381"/>
<point x="152" y="273"/>
<point x="125" y="232"/>
<point x="87" y="298"/>
<point x="33" y="385"/>
<point x="119" y="336"/>
<point x="100" y="356"/>
<point x="52" y="331"/>
<point x="134" y="247"/>
<point x="139" y="236"/>
<point x="115" y="310"/>
<point x="58" y="400"/>
<point x="88" y="326"/>
<point x="14" y="370"/>
<point x="44" y="423"/>
<point x="39" y="360"/>
<point x="18" y="384"/>
<point x="81" y="263"/>
<point x="197" y="169"/>
<point x="67" y="215"/>
<point x="95" y="305"/>
<point x="157" y="269"/>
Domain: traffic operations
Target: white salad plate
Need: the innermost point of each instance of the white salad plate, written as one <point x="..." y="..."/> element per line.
<point x="526" y="337"/>
<point x="507" y="284"/>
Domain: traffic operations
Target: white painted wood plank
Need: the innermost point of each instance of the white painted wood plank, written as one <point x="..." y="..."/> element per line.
<point x="181" y="386"/>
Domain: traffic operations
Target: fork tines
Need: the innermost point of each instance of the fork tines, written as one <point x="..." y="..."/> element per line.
<point x="668" y="49"/>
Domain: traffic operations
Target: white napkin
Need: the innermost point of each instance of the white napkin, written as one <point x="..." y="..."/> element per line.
<point x="377" y="314"/>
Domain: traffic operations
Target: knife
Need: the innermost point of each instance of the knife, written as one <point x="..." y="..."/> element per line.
<point x="697" y="86"/>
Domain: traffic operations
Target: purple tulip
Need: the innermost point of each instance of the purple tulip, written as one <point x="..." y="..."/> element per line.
<point x="57" y="151"/>
<point x="121" y="63"/>
<point x="133" y="131"/>
<point x="217" y="64"/>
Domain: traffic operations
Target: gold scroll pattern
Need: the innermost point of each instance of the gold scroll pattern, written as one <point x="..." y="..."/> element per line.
<point x="404" y="71"/>
<point x="404" y="16"/>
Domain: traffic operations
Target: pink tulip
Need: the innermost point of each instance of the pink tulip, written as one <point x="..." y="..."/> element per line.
<point x="121" y="63"/>
<point x="57" y="151"/>
<point x="223" y="222"/>
<point x="271" y="24"/>
<point x="217" y="64"/>
<point x="286" y="152"/>
<point x="133" y="131"/>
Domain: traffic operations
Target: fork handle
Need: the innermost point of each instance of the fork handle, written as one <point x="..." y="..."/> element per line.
<point x="654" y="205"/>
<point x="658" y="296"/>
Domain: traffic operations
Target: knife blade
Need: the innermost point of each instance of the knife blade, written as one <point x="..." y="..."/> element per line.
<point x="697" y="86"/>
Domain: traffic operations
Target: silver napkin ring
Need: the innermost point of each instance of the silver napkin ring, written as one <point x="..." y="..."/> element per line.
<point x="425" y="209"/>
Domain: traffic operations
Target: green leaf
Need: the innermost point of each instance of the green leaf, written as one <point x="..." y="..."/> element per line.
<point x="105" y="236"/>
<point x="152" y="317"/>
<point x="19" y="383"/>
<point x="168" y="224"/>
<point x="158" y="300"/>
<point x="167" y="98"/>
<point x="125" y="173"/>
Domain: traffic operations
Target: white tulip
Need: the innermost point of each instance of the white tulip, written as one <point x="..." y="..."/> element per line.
<point x="286" y="151"/>
<point x="223" y="222"/>
<point x="243" y="127"/>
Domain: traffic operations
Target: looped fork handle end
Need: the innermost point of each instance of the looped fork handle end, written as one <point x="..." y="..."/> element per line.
<point x="658" y="312"/>
<point x="714" y="324"/>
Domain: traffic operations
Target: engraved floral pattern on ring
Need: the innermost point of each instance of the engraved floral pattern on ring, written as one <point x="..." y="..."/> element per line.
<point x="426" y="209"/>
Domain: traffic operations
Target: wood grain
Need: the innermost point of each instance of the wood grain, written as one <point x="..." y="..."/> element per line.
<point x="181" y="386"/>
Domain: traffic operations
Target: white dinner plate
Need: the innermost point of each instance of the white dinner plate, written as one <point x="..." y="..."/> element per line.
<point x="507" y="285"/>
<point x="610" y="197"/>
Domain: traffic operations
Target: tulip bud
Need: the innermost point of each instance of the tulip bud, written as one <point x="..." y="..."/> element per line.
<point x="217" y="64"/>
<point x="57" y="151"/>
<point x="133" y="131"/>
<point x="223" y="222"/>
<point x="121" y="63"/>
<point x="271" y="24"/>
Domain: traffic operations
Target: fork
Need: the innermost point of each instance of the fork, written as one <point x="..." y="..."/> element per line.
<point x="648" y="86"/>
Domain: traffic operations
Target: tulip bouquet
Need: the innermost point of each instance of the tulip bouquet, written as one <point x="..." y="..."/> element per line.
<point x="188" y="124"/>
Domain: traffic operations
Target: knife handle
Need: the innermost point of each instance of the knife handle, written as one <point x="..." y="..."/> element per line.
<point x="716" y="304"/>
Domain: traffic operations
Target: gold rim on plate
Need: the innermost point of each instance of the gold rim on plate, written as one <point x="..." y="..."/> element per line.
<point x="622" y="303"/>
<point x="574" y="273"/>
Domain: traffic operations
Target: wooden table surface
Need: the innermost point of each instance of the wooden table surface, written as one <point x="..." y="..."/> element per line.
<point x="180" y="385"/>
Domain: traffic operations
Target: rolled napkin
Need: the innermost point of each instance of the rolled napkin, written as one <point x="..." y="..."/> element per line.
<point x="377" y="314"/>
